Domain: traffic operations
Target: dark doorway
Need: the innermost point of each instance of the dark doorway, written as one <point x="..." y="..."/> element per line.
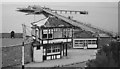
<point x="12" y="34"/>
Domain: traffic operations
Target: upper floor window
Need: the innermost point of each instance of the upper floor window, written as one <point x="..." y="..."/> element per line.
<point x="47" y="33"/>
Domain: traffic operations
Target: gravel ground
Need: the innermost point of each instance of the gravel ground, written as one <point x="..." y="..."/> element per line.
<point x="75" y="58"/>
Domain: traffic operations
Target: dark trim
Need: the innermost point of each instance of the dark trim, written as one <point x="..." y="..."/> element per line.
<point x="44" y="45"/>
<point x="46" y="52"/>
<point x="23" y="67"/>
<point x="91" y="48"/>
<point x="66" y="49"/>
<point x="63" y="49"/>
<point x="56" y="27"/>
<point x="56" y="38"/>
<point x="42" y="37"/>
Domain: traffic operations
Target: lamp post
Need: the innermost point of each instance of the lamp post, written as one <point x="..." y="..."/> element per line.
<point x="23" y="44"/>
<point x="23" y="55"/>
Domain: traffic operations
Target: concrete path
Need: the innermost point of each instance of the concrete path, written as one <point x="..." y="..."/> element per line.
<point x="74" y="56"/>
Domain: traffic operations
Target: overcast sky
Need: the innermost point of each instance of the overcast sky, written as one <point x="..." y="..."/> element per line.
<point x="101" y="14"/>
<point x="60" y="0"/>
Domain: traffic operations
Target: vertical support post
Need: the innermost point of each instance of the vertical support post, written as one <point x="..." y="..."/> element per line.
<point x="42" y="41"/>
<point x="60" y="50"/>
<point x="63" y="48"/>
<point x="46" y="52"/>
<point x="42" y="36"/>
<point x="53" y="33"/>
<point x="48" y="36"/>
<point x="36" y="33"/>
<point x="23" y="55"/>
<point x="24" y="37"/>
<point x="72" y="36"/>
<point x="62" y="33"/>
<point x="39" y="34"/>
<point x="67" y="41"/>
<point x="66" y="49"/>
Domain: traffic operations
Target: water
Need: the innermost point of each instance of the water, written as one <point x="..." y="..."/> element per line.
<point x="103" y="15"/>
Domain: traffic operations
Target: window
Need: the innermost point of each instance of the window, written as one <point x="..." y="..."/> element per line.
<point x="44" y="36"/>
<point x="47" y="33"/>
<point x="57" y="49"/>
<point x="83" y="42"/>
<point x="53" y="49"/>
<point x="49" y="50"/>
<point x="89" y="41"/>
<point x="38" y="47"/>
<point x="93" y="42"/>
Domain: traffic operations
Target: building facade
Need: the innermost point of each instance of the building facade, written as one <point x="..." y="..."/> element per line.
<point x="55" y="36"/>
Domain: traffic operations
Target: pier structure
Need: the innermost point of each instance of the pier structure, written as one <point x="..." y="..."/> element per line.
<point x="52" y="38"/>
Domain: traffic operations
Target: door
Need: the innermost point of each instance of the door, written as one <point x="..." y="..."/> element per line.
<point x="38" y="54"/>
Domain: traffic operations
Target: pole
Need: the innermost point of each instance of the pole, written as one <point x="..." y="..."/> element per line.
<point x="23" y="55"/>
<point x="24" y="37"/>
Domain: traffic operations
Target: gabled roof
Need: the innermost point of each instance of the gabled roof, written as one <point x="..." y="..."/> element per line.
<point x="84" y="34"/>
<point x="55" y="22"/>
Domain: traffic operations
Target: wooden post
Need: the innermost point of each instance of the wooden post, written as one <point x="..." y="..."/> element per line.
<point x="53" y="33"/>
<point x="23" y="55"/>
<point x="46" y="52"/>
<point x="67" y="40"/>
<point x="66" y="49"/>
<point x="72" y="36"/>
<point x="63" y="49"/>
<point x="24" y="37"/>
<point x="42" y="41"/>
<point x="60" y="50"/>
<point x="42" y="36"/>
<point x="62" y="33"/>
<point x="47" y="35"/>
<point x="39" y="34"/>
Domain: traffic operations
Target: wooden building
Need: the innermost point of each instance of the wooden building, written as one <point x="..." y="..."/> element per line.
<point x="84" y="39"/>
<point x="52" y="40"/>
<point x="54" y="37"/>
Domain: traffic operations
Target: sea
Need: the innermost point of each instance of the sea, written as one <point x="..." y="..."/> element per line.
<point x="100" y="14"/>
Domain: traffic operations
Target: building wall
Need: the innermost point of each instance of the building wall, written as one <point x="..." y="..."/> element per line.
<point x="8" y="35"/>
<point x="12" y="56"/>
<point x="57" y="34"/>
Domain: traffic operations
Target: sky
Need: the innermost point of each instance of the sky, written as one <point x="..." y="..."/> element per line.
<point x="101" y="14"/>
<point x="60" y="0"/>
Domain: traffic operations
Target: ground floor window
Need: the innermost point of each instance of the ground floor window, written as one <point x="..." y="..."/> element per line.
<point x="53" y="49"/>
<point x="84" y="42"/>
